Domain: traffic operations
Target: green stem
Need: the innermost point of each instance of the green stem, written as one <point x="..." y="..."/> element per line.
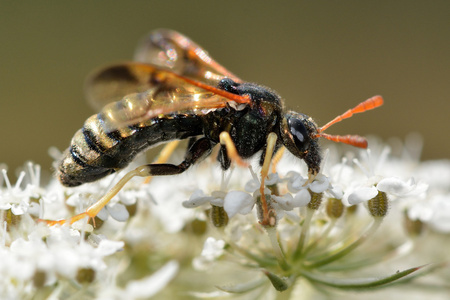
<point x="341" y="253"/>
<point x="359" y="283"/>
<point x="260" y="261"/>
<point x="322" y="236"/>
<point x="272" y="233"/>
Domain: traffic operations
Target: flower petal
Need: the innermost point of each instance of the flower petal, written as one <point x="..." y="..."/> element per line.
<point x="296" y="183"/>
<point x="213" y="248"/>
<point x="440" y="220"/>
<point x="320" y="184"/>
<point x="238" y="202"/>
<point x="302" y="198"/>
<point x="336" y="191"/>
<point x="197" y="198"/>
<point x="19" y="209"/>
<point x="362" y="194"/>
<point x="150" y="285"/>
<point x="272" y="179"/>
<point x="118" y="212"/>
<point x="252" y="185"/>
<point x="286" y="201"/>
<point x="395" y="186"/>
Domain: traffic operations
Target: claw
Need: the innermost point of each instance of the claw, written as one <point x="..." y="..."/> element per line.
<point x="311" y="176"/>
<point x="67" y="221"/>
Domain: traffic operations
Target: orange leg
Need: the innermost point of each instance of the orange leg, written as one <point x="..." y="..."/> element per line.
<point x="198" y="150"/>
<point x="267" y="214"/>
<point x="94" y="209"/>
<point x="225" y="139"/>
<point x="276" y="159"/>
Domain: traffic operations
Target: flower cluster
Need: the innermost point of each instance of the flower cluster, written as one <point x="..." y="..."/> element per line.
<point x="368" y="220"/>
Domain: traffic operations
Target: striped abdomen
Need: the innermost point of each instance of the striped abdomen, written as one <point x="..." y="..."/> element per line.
<point x="99" y="149"/>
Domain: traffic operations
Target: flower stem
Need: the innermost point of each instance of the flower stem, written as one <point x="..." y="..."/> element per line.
<point x="304" y="233"/>
<point x="341" y="253"/>
<point x="272" y="233"/>
<point x="322" y="236"/>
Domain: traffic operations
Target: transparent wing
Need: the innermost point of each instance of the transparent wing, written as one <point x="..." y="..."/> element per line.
<point x="152" y="92"/>
<point x="173" y="51"/>
<point x="164" y="49"/>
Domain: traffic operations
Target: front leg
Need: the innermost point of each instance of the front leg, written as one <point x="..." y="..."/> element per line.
<point x="268" y="214"/>
<point x="231" y="152"/>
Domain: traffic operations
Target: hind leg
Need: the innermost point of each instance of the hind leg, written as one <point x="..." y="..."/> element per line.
<point x="199" y="150"/>
<point x="164" y="155"/>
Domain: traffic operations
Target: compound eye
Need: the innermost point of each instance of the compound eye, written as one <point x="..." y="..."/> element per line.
<point x="299" y="134"/>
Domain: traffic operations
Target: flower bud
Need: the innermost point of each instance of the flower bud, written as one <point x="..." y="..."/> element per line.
<point x="39" y="278"/>
<point x="316" y="200"/>
<point x="413" y="227"/>
<point x="379" y="205"/>
<point x="196" y="227"/>
<point x="335" y="208"/>
<point x="218" y="216"/>
<point x="351" y="210"/>
<point x="85" y="275"/>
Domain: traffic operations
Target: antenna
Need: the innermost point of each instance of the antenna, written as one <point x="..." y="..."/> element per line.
<point x="354" y="140"/>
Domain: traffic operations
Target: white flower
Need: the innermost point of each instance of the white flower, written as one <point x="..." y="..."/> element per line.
<point x="440" y="219"/>
<point x="163" y="231"/>
<point x="360" y="191"/>
<point x="435" y="212"/>
<point x="300" y="186"/>
<point x="399" y="188"/>
<point x="212" y="249"/>
<point x="14" y="198"/>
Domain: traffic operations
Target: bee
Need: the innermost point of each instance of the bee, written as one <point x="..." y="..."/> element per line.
<point x="173" y="90"/>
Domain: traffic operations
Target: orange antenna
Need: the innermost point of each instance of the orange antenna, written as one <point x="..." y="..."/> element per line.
<point x="353" y="140"/>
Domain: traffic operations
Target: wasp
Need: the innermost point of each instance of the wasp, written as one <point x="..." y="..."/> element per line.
<point x="173" y="90"/>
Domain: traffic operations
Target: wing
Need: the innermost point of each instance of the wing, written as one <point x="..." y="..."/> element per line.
<point x="167" y="50"/>
<point x="153" y="92"/>
<point x="173" y="51"/>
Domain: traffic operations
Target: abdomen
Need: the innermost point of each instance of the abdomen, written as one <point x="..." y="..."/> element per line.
<point x="97" y="151"/>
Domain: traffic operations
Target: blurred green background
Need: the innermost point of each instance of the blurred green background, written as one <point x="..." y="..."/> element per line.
<point x="323" y="57"/>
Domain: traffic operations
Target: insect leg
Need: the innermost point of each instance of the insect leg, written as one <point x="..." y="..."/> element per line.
<point x="199" y="150"/>
<point x="225" y="140"/>
<point x="276" y="159"/>
<point x="311" y="176"/>
<point x="164" y="155"/>
<point x="268" y="214"/>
